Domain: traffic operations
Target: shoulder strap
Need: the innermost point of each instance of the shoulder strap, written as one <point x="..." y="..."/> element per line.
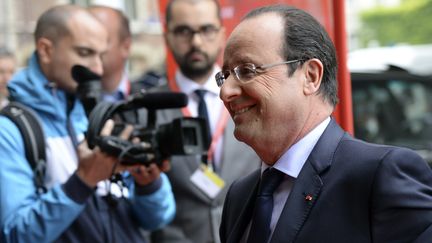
<point x="32" y="133"/>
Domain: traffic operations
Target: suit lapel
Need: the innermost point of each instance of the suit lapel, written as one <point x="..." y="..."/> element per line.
<point x="245" y="215"/>
<point x="307" y="187"/>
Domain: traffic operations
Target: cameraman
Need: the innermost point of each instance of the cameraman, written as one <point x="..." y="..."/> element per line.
<point x="78" y="206"/>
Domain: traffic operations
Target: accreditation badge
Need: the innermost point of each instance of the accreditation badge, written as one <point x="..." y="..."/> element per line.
<point x="207" y="181"/>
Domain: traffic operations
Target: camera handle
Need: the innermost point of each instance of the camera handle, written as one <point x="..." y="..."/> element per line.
<point x="127" y="152"/>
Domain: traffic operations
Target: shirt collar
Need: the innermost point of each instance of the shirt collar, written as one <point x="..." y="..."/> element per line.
<point x="292" y="161"/>
<point x="124" y="86"/>
<point x="123" y="89"/>
<point x="188" y="86"/>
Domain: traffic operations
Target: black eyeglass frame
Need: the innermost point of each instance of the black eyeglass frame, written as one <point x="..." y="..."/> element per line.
<point x="186" y="33"/>
<point x="253" y="70"/>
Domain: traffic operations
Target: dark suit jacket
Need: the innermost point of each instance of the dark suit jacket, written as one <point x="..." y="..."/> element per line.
<point x="198" y="217"/>
<point x="360" y="192"/>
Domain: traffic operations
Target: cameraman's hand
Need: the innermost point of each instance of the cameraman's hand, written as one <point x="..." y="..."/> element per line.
<point x="145" y="175"/>
<point x="95" y="165"/>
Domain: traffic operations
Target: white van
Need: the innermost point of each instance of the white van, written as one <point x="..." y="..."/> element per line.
<point x="392" y="96"/>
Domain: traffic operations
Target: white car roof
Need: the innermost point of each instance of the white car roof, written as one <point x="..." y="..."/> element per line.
<point x="416" y="59"/>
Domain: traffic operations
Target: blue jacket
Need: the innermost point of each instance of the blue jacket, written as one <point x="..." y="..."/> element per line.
<point x="69" y="210"/>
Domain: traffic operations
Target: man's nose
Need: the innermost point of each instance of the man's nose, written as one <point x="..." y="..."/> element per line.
<point x="197" y="39"/>
<point x="230" y="89"/>
<point x="97" y="67"/>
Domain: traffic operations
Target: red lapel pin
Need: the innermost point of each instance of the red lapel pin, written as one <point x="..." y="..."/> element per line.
<point x="308" y="197"/>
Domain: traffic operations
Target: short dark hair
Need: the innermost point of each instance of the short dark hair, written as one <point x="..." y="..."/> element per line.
<point x="305" y="38"/>
<point x="168" y="9"/>
<point x="52" y="24"/>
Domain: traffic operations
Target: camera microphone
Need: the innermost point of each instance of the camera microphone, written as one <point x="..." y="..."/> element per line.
<point x="89" y="86"/>
<point x="157" y="100"/>
<point x="82" y="74"/>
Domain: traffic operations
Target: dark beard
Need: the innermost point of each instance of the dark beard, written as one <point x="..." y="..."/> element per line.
<point x="192" y="71"/>
<point x="195" y="72"/>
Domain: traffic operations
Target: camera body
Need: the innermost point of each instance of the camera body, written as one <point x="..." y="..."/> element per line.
<point x="182" y="136"/>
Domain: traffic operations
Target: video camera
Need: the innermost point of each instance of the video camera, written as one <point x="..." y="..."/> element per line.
<point x="182" y="136"/>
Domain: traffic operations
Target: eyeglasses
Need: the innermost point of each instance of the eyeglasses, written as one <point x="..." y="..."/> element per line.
<point x="244" y="73"/>
<point x="185" y="33"/>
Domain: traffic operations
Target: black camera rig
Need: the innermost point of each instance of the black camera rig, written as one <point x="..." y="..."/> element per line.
<point x="182" y="136"/>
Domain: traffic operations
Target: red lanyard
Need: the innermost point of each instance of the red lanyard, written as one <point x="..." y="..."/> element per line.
<point x="220" y="127"/>
<point x="128" y="88"/>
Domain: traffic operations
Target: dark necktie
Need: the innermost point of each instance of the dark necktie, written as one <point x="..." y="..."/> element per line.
<point x="203" y="113"/>
<point x="118" y="95"/>
<point x="260" y="229"/>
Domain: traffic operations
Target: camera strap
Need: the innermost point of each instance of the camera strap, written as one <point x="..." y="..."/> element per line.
<point x="69" y="125"/>
<point x="220" y="128"/>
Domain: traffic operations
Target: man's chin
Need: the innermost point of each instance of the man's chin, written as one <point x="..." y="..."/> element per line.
<point x="70" y="88"/>
<point x="196" y="70"/>
<point x="198" y="66"/>
<point x="239" y="134"/>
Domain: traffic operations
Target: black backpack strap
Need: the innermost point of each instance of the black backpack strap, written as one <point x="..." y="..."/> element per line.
<point x="33" y="136"/>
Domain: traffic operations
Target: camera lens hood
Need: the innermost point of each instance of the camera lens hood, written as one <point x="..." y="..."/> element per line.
<point x="97" y="118"/>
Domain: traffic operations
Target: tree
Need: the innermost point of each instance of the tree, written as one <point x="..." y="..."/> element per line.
<point x="407" y="23"/>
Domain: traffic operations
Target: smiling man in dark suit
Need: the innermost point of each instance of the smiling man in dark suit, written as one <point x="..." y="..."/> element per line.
<point x="317" y="183"/>
<point x="195" y="36"/>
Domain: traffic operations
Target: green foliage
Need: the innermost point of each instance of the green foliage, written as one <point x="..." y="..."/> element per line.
<point x="408" y="23"/>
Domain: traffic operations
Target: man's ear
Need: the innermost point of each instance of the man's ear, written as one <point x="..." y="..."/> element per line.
<point x="44" y="49"/>
<point x="126" y="46"/>
<point x="313" y="74"/>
